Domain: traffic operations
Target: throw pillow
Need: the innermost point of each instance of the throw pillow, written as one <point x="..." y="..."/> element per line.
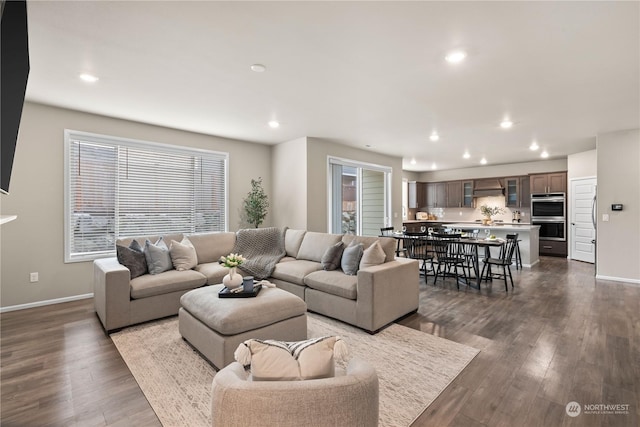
<point x="289" y="361"/>
<point x="332" y="256"/>
<point x="351" y="259"/>
<point x="373" y="255"/>
<point x="183" y="255"/>
<point x="158" y="257"/>
<point x="133" y="258"/>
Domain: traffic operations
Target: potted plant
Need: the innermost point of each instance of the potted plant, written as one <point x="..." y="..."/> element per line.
<point x="256" y="204"/>
<point x="488" y="212"/>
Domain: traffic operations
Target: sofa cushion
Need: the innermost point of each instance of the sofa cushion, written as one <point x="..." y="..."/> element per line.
<point x="388" y="244"/>
<point x="287" y="259"/>
<point x="183" y="255"/>
<point x="211" y="246"/>
<point x="351" y="256"/>
<point x="315" y="244"/>
<point x="170" y="281"/>
<point x="292" y="241"/>
<point x="373" y="255"/>
<point x="332" y="256"/>
<point x="295" y="271"/>
<point x="334" y="283"/>
<point x="133" y="258"/>
<point x="126" y="241"/>
<point x="273" y="360"/>
<point x="214" y="271"/>
<point x="158" y="256"/>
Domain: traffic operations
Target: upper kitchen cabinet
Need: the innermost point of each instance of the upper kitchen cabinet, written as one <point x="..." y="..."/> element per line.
<point x="516" y="192"/>
<point x="555" y="182"/>
<point x="436" y="194"/>
<point x="467" y="194"/>
<point x="454" y="194"/>
<point x="417" y="195"/>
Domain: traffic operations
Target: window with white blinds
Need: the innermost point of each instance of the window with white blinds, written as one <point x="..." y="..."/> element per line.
<point x="116" y="188"/>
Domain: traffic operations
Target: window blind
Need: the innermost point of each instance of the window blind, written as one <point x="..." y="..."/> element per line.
<point x="118" y="188"/>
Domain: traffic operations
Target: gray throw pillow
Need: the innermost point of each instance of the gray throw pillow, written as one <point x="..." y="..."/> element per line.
<point x="351" y="259"/>
<point x="158" y="256"/>
<point x="332" y="256"/>
<point x="133" y="258"/>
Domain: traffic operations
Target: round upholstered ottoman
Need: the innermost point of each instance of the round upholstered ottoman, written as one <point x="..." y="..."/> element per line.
<point x="216" y="326"/>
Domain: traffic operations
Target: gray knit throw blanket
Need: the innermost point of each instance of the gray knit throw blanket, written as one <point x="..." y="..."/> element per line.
<point x="262" y="248"/>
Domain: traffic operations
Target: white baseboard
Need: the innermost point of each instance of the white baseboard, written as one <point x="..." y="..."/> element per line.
<point x="618" y="279"/>
<point x="42" y="303"/>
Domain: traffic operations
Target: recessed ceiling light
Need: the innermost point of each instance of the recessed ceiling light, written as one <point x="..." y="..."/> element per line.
<point x="544" y="154"/>
<point x="433" y="165"/>
<point x="413" y="161"/>
<point x="434" y="136"/>
<point x="483" y="161"/>
<point x="456" y="56"/>
<point x="274" y="124"/>
<point x="534" y="146"/>
<point x="258" y="68"/>
<point x="466" y="155"/>
<point x="506" y="124"/>
<point x="89" y="78"/>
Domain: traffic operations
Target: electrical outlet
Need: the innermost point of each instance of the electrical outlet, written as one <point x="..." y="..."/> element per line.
<point x="33" y="277"/>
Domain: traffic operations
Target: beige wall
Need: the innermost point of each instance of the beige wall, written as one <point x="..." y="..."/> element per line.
<point x="582" y="165"/>
<point x="34" y="242"/>
<point x="289" y="164"/>
<point x="618" y="240"/>
<point x="514" y="169"/>
<point x="317" y="183"/>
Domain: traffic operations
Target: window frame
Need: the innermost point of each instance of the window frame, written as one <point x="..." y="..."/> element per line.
<point x="73" y="135"/>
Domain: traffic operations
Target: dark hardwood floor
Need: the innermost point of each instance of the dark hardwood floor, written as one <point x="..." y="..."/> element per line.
<point x="560" y="336"/>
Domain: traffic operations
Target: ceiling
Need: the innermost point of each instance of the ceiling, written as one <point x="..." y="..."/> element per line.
<point x="367" y="74"/>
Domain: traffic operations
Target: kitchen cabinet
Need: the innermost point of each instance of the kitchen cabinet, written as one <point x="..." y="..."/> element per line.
<point x="467" y="194"/>
<point x="555" y="182"/>
<point x="454" y="194"/>
<point x="516" y="192"/>
<point x="553" y="248"/>
<point x="417" y="195"/>
<point x="436" y="194"/>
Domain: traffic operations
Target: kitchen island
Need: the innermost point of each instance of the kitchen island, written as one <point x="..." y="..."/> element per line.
<point x="527" y="234"/>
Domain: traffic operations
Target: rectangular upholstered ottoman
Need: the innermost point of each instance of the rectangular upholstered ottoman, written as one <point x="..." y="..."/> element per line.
<point x="216" y="326"/>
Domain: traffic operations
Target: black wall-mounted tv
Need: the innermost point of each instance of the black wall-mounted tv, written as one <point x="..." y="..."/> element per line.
<point x="14" y="45"/>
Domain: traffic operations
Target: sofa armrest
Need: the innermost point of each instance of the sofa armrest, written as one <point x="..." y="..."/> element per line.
<point x="111" y="293"/>
<point x="386" y="292"/>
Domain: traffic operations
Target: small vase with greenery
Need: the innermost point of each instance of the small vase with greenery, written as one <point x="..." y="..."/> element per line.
<point x="256" y="204"/>
<point x="490" y="211"/>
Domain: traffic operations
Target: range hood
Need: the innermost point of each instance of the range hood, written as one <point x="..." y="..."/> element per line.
<point x="487" y="187"/>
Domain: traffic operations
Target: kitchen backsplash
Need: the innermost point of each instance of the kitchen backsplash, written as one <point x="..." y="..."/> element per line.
<point x="472" y="214"/>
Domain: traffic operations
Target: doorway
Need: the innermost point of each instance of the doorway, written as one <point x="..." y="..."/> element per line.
<point x="583" y="232"/>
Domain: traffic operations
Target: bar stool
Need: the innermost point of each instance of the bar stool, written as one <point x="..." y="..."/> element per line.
<point x="517" y="251"/>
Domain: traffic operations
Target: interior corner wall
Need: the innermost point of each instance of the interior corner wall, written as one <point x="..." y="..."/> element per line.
<point x="289" y="165"/>
<point x="35" y="241"/>
<point x="618" y="239"/>
<point x="318" y="151"/>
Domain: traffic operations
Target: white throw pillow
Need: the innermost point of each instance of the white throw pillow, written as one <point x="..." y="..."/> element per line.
<point x="183" y="255"/>
<point x="373" y="255"/>
<point x="289" y="361"/>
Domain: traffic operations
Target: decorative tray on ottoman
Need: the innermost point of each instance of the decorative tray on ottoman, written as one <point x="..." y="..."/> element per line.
<point x="227" y="293"/>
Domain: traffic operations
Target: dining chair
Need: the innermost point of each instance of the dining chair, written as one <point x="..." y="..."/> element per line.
<point x="517" y="252"/>
<point x="504" y="260"/>
<point x="388" y="232"/>
<point x="449" y="255"/>
<point x="418" y="247"/>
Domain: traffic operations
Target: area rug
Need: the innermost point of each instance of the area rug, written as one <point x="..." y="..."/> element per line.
<point x="413" y="368"/>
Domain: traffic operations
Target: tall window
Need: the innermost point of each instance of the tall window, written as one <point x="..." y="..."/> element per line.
<point x="360" y="197"/>
<point x="116" y="187"/>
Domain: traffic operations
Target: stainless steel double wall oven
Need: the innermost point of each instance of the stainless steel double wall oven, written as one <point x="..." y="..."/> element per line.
<point x="549" y="211"/>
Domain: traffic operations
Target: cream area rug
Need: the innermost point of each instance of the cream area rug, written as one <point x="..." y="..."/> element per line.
<point x="413" y="368"/>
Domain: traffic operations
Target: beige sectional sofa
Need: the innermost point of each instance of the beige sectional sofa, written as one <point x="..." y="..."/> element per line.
<point x="373" y="298"/>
